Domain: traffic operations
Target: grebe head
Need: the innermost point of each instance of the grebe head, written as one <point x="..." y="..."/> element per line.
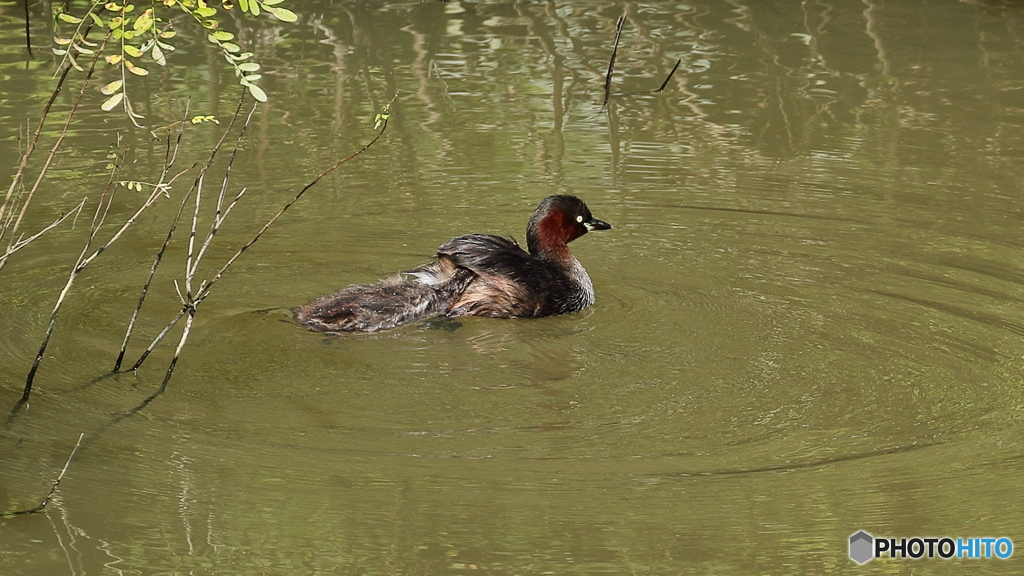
<point x="557" y="221"/>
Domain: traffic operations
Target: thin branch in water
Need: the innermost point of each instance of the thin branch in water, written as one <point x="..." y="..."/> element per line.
<point x="169" y="159"/>
<point x="75" y="270"/>
<point x="670" y="74"/>
<point x="157" y="340"/>
<point x="218" y="218"/>
<point x="56" y="482"/>
<point x="84" y="260"/>
<point x="53" y="151"/>
<point x="22" y="242"/>
<point x="611" y="61"/>
<point x="149" y="280"/>
<point x="28" y="31"/>
<point x="382" y="118"/>
<point x="204" y="289"/>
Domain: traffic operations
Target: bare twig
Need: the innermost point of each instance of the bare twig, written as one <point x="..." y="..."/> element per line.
<point x="670" y="74"/>
<point x="190" y="303"/>
<point x="28" y="31"/>
<point x="80" y="263"/>
<point x="56" y="482"/>
<point x="170" y="154"/>
<point x="611" y="61"/>
<point x="205" y="289"/>
<point x="167" y="241"/>
<point x="20" y="174"/>
<point x="22" y="242"/>
<point x="84" y="260"/>
<point x="159" y="337"/>
<point x="13" y="229"/>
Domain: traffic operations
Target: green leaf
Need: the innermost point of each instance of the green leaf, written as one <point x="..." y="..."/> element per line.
<point x="112" y="87"/>
<point x="61" y="41"/>
<point x="206" y="11"/>
<point x="257" y="92"/>
<point x="244" y="5"/>
<point x="271" y="2"/>
<point x="167" y="34"/>
<point x="137" y="70"/>
<point x="158" y="56"/>
<point x="132" y="51"/>
<point x="282" y="14"/>
<point x="69" y="18"/>
<point x="144" y="22"/>
<point x="248" y="66"/>
<point x="59" y="51"/>
<point x="221" y="36"/>
<point x="110" y="103"/>
<point x="230" y="47"/>
<point x="96" y="19"/>
<point x="254" y="9"/>
<point x="74" y="64"/>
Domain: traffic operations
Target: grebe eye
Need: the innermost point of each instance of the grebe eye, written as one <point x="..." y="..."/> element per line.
<point x="579" y="218"/>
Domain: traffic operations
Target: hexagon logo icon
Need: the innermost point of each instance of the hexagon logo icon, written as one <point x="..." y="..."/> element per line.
<point x="861" y="547"/>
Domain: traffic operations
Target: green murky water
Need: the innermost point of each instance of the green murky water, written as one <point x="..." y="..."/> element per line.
<point x="809" y="322"/>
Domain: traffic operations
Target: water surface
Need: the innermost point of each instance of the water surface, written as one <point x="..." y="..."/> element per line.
<point x="808" y="321"/>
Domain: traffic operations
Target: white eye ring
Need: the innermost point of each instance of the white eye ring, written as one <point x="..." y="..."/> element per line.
<point x="579" y="218"/>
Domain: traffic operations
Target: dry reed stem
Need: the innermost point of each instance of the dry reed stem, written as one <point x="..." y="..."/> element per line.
<point x="167" y="240"/>
<point x="53" y="489"/>
<point x="169" y="158"/>
<point x="670" y="74"/>
<point x="13" y="229"/>
<point x="191" y="303"/>
<point x="611" y="61"/>
<point x="22" y="242"/>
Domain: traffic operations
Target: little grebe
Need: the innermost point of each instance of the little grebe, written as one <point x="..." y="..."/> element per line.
<point x="475" y="275"/>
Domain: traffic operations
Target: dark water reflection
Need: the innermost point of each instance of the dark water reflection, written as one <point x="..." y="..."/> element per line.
<point x="808" y="323"/>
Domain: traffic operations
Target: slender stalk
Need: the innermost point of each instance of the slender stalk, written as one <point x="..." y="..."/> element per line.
<point x="167" y="240"/>
<point x="189" y="307"/>
<point x="192" y="239"/>
<point x="170" y="155"/>
<point x="28" y="31"/>
<point x="53" y="489"/>
<point x="218" y="218"/>
<point x="22" y="242"/>
<point x="53" y="150"/>
<point x="205" y="290"/>
<point x="75" y="270"/>
<point x="611" y="61"/>
<point x="157" y="340"/>
<point x="20" y="174"/>
<point x="670" y="74"/>
<point x="84" y="261"/>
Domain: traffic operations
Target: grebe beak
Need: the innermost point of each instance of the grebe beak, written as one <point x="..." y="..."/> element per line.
<point x="595" y="224"/>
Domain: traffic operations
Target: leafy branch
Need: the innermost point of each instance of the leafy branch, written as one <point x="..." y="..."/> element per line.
<point x="146" y="37"/>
